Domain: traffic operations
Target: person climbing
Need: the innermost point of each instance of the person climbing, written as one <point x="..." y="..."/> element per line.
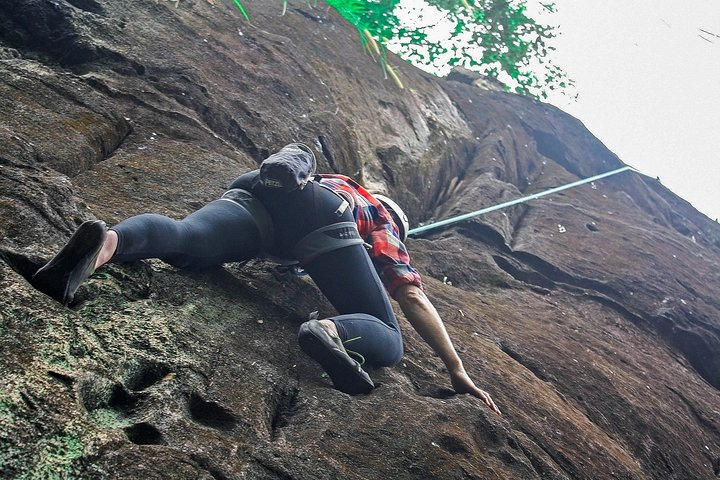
<point x="284" y="211"/>
<point x="384" y="226"/>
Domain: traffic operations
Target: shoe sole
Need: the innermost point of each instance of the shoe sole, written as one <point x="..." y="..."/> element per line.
<point x="62" y="276"/>
<point x="344" y="372"/>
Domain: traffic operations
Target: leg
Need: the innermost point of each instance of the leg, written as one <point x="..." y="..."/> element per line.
<point x="342" y="270"/>
<point x="348" y="279"/>
<point x="221" y="231"/>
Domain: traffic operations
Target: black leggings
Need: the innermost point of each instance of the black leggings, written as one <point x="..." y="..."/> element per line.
<point x="220" y="232"/>
<point x="348" y="279"/>
<point x="223" y="231"/>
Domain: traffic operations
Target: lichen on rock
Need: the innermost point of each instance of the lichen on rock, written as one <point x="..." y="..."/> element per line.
<point x="600" y="344"/>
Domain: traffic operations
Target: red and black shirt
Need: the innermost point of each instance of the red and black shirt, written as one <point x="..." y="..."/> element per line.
<point x="376" y="227"/>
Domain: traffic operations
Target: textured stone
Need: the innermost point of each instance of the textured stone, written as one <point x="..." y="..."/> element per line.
<point x="600" y="340"/>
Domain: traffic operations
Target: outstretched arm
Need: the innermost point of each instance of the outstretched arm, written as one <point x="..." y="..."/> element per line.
<point x="427" y="322"/>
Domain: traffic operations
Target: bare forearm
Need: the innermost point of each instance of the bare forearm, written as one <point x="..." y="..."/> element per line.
<point x="427" y="322"/>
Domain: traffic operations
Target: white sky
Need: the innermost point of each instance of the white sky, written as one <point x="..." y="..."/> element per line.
<point x="649" y="86"/>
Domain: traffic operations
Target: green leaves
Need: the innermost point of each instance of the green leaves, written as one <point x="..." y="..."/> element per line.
<point x="496" y="38"/>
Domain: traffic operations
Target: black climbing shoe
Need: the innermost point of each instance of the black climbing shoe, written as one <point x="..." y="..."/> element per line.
<point x="61" y="276"/>
<point x="346" y="374"/>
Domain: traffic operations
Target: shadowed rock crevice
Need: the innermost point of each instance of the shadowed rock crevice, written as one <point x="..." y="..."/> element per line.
<point x="211" y="414"/>
<point x="560" y="461"/>
<point x="541" y="468"/>
<point x="453" y="444"/>
<point x="96" y="392"/>
<point x="122" y="400"/>
<point x="33" y="27"/>
<point x="531" y="277"/>
<point x="327" y="153"/>
<point x="451" y="180"/>
<point x="28" y="400"/>
<point x="696" y="347"/>
<point x="636" y="319"/>
<point x="555" y="274"/>
<point x="240" y="136"/>
<point x="709" y="423"/>
<point x="486" y="234"/>
<point x="216" y="123"/>
<point x="521" y="215"/>
<point x="91" y="6"/>
<point x="689" y="289"/>
<point x="423" y="383"/>
<point x="389" y="156"/>
<point x="536" y="367"/>
<point x="58" y="34"/>
<point x="550" y="146"/>
<point x="20" y="263"/>
<point x="143" y="375"/>
<point x="433" y="192"/>
<point x="91" y="132"/>
<point x="144" y="434"/>
<point x="282" y="407"/>
<point x="699" y="346"/>
<point x="532" y="455"/>
<point x="66" y="380"/>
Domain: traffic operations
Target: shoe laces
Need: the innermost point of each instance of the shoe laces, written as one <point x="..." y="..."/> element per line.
<point x="359" y="360"/>
<point x="352" y="353"/>
<point x="357" y="356"/>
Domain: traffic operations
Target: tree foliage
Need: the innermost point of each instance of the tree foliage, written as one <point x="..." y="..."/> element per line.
<point x="493" y="37"/>
<point x="496" y="38"/>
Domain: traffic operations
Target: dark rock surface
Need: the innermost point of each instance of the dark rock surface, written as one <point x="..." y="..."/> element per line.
<point x="590" y="315"/>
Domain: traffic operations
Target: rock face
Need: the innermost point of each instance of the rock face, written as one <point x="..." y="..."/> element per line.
<point x="590" y="315"/>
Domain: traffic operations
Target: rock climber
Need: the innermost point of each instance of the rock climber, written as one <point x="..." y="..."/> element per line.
<point x="345" y="238"/>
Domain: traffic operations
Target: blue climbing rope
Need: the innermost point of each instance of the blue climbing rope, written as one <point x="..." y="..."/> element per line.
<point x="476" y="213"/>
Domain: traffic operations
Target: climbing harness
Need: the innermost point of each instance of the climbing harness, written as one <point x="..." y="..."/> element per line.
<point x="326" y="239"/>
<point x="257" y="211"/>
<point x="467" y="216"/>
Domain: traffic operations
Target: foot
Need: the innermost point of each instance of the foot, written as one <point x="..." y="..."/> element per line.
<point x="330" y="327"/>
<point x="346" y="374"/>
<point x="62" y="276"/>
<point x="108" y="249"/>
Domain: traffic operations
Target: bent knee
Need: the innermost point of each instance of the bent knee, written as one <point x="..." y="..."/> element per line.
<point x="392" y="353"/>
<point x="398" y="355"/>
